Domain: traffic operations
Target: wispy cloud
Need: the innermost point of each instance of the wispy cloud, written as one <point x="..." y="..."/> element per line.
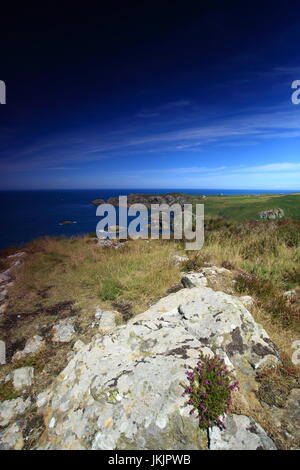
<point x="156" y="111"/>
<point x="245" y="128"/>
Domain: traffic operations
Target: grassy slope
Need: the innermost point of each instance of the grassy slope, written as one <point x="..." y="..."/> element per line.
<point x="245" y="207"/>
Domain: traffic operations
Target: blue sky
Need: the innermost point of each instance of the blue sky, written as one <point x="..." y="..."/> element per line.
<point x="186" y="107"/>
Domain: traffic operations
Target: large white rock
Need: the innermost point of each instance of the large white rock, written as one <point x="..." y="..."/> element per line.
<point x="123" y="390"/>
<point x="241" y="433"/>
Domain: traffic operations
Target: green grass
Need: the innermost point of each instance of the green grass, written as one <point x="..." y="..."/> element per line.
<point x="7" y="391"/>
<point x="242" y="208"/>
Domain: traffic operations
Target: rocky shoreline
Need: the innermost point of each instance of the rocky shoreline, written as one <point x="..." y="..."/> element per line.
<point x="147" y="199"/>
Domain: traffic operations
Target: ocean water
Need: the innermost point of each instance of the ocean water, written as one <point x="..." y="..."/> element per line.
<point x="26" y="215"/>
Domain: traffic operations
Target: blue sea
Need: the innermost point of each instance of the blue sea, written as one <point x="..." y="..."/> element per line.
<point x="26" y="215"/>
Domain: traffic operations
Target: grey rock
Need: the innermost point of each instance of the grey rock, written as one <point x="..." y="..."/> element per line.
<point x="2" y="352"/>
<point x="19" y="254"/>
<point x="5" y="277"/>
<point x="123" y="389"/>
<point x="271" y="214"/>
<point x="290" y="294"/>
<point x="11" y="438"/>
<point x="64" y="330"/>
<point x="11" y="409"/>
<point x="194" y="280"/>
<point x="241" y="433"/>
<point x="3" y="308"/>
<point x="180" y="259"/>
<point x="22" y="378"/>
<point x="33" y="346"/>
<point x="222" y="322"/>
<point x="106" y="320"/>
<point x="110" y="243"/>
<point x="42" y="399"/>
<point x="3" y="294"/>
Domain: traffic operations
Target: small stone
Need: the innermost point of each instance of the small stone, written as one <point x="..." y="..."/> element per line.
<point x="19" y="254"/>
<point x="290" y="294"/>
<point x="10" y="409"/>
<point x="106" y="320"/>
<point x="2" y="353"/>
<point x="21" y="378"/>
<point x="3" y="294"/>
<point x="33" y="345"/>
<point x="52" y="423"/>
<point x="42" y="399"/>
<point x="4" y="278"/>
<point x="11" y="438"/>
<point x="180" y="259"/>
<point x="64" y="331"/>
<point x="3" y="308"/>
<point x="194" y="280"/>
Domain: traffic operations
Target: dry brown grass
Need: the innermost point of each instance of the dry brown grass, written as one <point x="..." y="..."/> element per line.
<point x="59" y="270"/>
<point x="71" y="277"/>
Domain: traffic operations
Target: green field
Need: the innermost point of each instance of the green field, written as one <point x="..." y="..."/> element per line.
<point x="242" y="208"/>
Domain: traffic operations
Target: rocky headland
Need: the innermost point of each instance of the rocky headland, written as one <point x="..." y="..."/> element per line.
<point x="122" y="387"/>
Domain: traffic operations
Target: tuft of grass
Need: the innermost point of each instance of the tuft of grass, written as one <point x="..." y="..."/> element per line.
<point x="7" y="391"/>
<point x="110" y="289"/>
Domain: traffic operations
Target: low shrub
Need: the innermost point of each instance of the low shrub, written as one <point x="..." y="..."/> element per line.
<point x="209" y="391"/>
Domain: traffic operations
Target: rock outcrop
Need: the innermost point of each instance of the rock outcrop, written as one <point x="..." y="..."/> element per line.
<point x="271" y="214"/>
<point x="123" y="389"/>
<point x="147" y="199"/>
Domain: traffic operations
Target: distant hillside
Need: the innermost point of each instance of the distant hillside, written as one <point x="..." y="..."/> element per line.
<point x="247" y="207"/>
<point x="239" y="208"/>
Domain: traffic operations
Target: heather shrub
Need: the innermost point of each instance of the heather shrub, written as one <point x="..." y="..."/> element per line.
<point x="209" y="390"/>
